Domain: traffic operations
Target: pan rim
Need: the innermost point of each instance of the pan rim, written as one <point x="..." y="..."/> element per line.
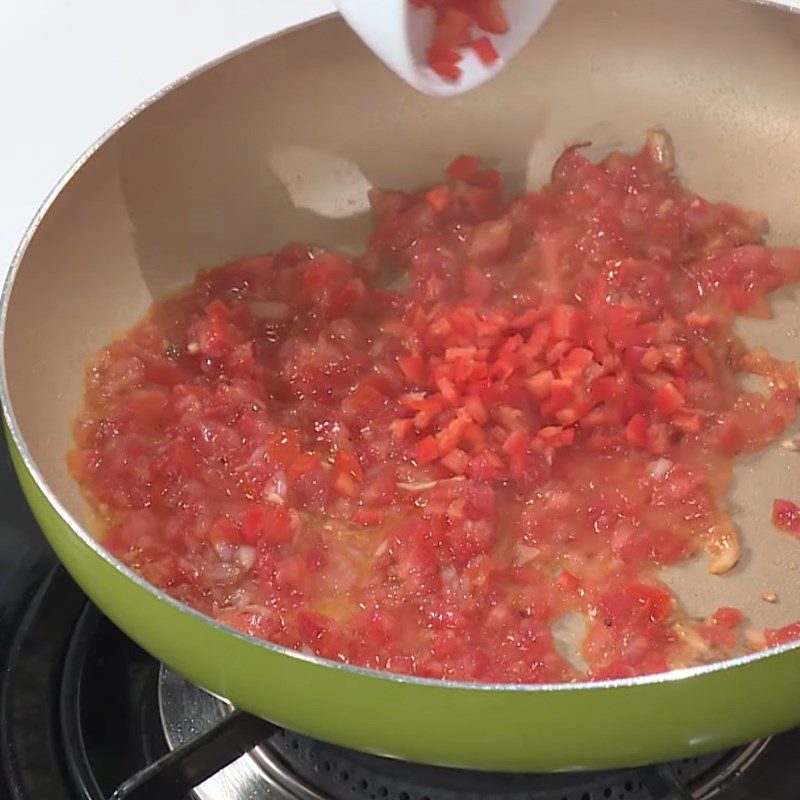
<point x="78" y="530"/>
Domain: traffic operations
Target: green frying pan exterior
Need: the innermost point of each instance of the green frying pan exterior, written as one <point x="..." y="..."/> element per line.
<point x="194" y="177"/>
<point x="489" y="728"/>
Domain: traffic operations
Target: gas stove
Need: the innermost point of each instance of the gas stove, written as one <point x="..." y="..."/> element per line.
<point x="87" y="715"/>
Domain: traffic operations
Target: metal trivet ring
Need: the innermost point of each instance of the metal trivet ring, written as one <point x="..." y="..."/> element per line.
<point x="292" y="767"/>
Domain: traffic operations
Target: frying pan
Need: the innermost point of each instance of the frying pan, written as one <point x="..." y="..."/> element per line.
<point x="279" y="142"/>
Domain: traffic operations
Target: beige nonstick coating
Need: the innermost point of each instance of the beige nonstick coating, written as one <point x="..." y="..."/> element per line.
<point x="282" y="141"/>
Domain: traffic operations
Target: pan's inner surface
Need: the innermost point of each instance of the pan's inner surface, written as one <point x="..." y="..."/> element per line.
<point x="281" y="143"/>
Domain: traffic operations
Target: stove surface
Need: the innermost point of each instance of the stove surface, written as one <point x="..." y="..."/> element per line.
<point x="85" y="715"/>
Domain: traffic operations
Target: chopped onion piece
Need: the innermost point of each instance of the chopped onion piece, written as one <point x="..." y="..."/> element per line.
<point x="659" y="469"/>
<point x="225" y="551"/>
<point x="526" y="554"/>
<point x="382" y="547"/>
<point x="724" y="548"/>
<point x="661" y="149"/>
<point x="223" y="573"/>
<point x="417" y="487"/>
<point x="246" y="556"/>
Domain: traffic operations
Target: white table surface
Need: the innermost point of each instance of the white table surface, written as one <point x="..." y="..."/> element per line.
<point x="70" y="68"/>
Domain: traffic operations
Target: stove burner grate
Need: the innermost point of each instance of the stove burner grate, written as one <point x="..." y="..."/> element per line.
<point x="290" y="765"/>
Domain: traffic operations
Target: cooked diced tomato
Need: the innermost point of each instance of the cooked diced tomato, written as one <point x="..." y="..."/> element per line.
<point x="284" y="447"/>
<point x="224" y="530"/>
<point x="568" y="582"/>
<point x="636" y="430"/>
<point x="502" y="411"/>
<point x="438" y="198"/>
<point x="252" y="524"/>
<point x="463" y="168"/>
<point x="786" y="516"/>
<point x="785" y="635"/>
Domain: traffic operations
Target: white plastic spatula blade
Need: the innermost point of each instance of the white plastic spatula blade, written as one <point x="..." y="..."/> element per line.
<point x="399" y="35"/>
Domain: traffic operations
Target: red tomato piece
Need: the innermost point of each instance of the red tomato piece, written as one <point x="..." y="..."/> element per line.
<point x="489" y="16"/>
<point x="346" y="463"/>
<point x="778" y="636"/>
<point x="786" y="516"/>
<point x="463" y="168"/>
<point x="454" y="23"/>
<point x="636" y="430"/>
<point x="667" y="399"/>
<point x="438" y="198"/>
<point x="485" y="50"/>
<point x="427" y="450"/>
<point x="504" y="409"/>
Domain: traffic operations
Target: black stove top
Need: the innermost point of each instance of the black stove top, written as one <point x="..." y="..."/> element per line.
<point x="86" y="715"/>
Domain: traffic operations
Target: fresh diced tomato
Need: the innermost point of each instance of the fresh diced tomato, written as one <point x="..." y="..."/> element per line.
<point x="456" y="461"/>
<point x="489" y="16"/>
<point x="427" y="450"/>
<point x="516" y="448"/>
<point x="401" y="429"/>
<point x="667" y="399"/>
<point x="556" y="435"/>
<point x="561" y="393"/>
<point x="540" y="383"/>
<point x="604" y="388"/>
<point x="413" y="368"/>
<point x="364" y="398"/>
<point x="474" y="407"/>
<point x="485" y="50"/>
<point x="574" y="363"/>
<point x="564" y="322"/>
<point x="687" y="421"/>
<point x="453" y="27"/>
<point x="486" y="466"/>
